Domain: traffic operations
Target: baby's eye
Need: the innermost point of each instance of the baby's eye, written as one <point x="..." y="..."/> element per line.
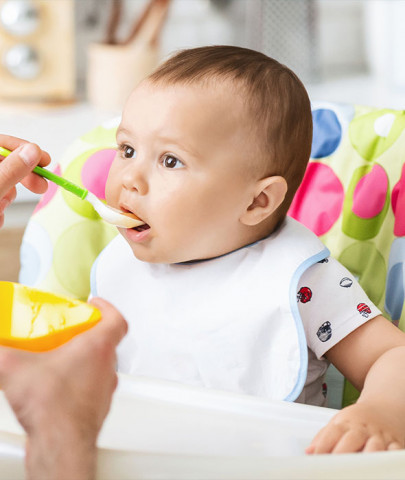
<point x="127" y="151"/>
<point x="169" y="161"/>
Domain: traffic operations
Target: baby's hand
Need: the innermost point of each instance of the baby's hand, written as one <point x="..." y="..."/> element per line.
<point x="362" y="427"/>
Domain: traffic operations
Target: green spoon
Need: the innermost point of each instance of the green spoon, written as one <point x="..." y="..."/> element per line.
<point x="109" y="214"/>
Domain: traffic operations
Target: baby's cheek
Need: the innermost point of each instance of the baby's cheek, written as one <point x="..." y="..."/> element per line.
<point x="111" y="188"/>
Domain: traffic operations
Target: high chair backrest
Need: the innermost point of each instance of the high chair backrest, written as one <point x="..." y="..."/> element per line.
<point x="65" y="234"/>
<point x="352" y="197"/>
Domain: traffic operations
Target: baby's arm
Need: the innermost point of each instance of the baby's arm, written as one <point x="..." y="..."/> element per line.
<point x="372" y="357"/>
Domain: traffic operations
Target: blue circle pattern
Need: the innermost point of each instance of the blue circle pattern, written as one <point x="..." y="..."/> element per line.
<point x="30" y="264"/>
<point x="327" y="133"/>
<point x="395" y="287"/>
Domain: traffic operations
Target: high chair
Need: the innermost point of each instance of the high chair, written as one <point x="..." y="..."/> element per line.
<point x="351" y="197"/>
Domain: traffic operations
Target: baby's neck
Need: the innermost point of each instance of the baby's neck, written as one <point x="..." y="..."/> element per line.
<point x="249" y="239"/>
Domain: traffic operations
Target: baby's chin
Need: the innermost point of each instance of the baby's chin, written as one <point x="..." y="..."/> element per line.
<point x="150" y="255"/>
<point x="164" y="258"/>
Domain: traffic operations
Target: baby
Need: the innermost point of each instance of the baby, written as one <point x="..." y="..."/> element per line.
<point x="219" y="287"/>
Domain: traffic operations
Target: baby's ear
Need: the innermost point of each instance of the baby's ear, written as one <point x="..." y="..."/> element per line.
<point x="268" y="196"/>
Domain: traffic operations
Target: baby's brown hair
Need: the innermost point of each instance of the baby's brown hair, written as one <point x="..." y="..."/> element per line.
<point x="276" y="99"/>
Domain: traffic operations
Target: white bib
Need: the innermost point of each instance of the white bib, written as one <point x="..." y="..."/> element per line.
<point x="230" y="323"/>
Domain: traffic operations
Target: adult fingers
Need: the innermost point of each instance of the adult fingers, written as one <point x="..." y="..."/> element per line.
<point x="12" y="143"/>
<point x="112" y="324"/>
<point x="5" y="202"/>
<point x="17" y="166"/>
<point x="102" y="337"/>
<point x="7" y="199"/>
<point x="35" y="183"/>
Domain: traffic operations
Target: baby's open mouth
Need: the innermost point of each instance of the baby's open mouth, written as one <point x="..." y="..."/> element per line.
<point x="142" y="227"/>
<point x="138" y="228"/>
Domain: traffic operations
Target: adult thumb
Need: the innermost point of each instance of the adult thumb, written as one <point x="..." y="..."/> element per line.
<point x="18" y="165"/>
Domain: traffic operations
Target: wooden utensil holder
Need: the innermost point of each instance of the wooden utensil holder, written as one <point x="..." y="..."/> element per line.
<point x="114" y="71"/>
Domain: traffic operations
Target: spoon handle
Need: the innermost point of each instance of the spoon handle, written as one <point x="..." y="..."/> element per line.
<point x="62" y="182"/>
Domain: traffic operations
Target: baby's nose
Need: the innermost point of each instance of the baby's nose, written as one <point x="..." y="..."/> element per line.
<point x="135" y="178"/>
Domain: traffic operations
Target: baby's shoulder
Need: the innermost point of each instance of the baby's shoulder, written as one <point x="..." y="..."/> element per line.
<point x="328" y="270"/>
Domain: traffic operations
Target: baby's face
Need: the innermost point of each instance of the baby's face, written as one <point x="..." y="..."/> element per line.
<point x="182" y="166"/>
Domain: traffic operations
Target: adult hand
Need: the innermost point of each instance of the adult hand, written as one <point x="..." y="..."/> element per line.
<point x="17" y="167"/>
<point x="62" y="397"/>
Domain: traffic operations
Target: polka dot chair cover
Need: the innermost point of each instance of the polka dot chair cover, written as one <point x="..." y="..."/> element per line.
<point x="352" y="197"/>
<point x="65" y="234"/>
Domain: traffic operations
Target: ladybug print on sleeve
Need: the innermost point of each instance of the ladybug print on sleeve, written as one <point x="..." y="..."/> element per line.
<point x="304" y="295"/>
<point x="331" y="304"/>
<point x="363" y="309"/>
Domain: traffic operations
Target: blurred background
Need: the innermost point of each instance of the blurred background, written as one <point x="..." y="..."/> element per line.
<point x="66" y="65"/>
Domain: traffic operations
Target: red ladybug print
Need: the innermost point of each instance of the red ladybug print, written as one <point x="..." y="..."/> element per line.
<point x="324" y="390"/>
<point x="363" y="309"/>
<point x="304" y="295"/>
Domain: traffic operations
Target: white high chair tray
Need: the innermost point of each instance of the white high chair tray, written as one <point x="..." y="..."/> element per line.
<point x="164" y="430"/>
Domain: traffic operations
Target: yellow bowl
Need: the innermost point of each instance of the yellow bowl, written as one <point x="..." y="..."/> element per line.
<point x="34" y="320"/>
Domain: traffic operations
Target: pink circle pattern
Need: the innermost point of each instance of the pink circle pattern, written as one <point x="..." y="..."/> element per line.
<point x="398" y="205"/>
<point x="370" y="193"/>
<point x="319" y="200"/>
<point x="95" y="171"/>
<point x="50" y="193"/>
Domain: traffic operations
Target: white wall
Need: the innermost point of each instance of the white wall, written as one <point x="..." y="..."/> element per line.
<point x="339" y="33"/>
<point x="341" y="37"/>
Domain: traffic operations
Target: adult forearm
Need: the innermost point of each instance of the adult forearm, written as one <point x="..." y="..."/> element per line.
<point x="62" y="397"/>
<point x="57" y="454"/>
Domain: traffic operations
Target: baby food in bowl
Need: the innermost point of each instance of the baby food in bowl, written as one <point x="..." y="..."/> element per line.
<point x="39" y="321"/>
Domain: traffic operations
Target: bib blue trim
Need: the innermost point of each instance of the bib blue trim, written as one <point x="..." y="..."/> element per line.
<point x="302" y="341"/>
<point x="93" y="280"/>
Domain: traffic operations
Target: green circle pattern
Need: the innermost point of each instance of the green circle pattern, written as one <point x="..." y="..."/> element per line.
<point x="73" y="173"/>
<point x="364" y="261"/>
<point x="354" y="226"/>
<point x="364" y="138"/>
<point x="101" y="135"/>
<point x="75" y="252"/>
